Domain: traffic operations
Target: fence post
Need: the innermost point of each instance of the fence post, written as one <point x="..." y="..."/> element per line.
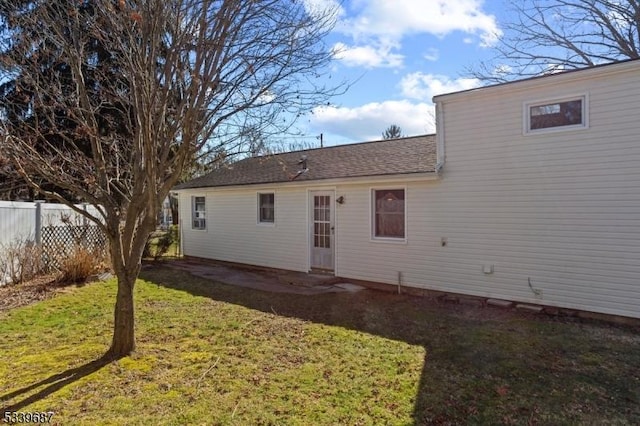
<point x="39" y="221"/>
<point x="84" y="218"/>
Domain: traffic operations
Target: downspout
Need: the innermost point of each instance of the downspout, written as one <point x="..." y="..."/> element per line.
<point x="440" y="152"/>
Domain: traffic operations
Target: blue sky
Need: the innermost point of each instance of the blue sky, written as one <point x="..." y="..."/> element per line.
<point x="398" y="54"/>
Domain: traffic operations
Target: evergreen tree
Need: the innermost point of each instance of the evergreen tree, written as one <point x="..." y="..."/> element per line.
<point x="392" y="132"/>
<point x="48" y="120"/>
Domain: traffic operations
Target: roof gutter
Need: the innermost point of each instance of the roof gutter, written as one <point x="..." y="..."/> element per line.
<point x="391" y="178"/>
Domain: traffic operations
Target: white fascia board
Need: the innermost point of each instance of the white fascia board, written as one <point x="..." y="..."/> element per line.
<point x="321" y="183"/>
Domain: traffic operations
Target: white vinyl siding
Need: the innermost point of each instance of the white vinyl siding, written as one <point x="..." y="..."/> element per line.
<point x="235" y="237"/>
<point x="560" y="208"/>
<point x="359" y="256"/>
<point x="557" y="209"/>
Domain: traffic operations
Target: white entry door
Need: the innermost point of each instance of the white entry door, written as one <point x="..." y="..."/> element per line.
<point x="322" y="223"/>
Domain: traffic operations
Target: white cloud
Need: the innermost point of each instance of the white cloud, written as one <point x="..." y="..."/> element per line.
<point x="401" y="17"/>
<point x="321" y="8"/>
<point x="367" y="56"/>
<point x="375" y="23"/>
<point x="554" y="69"/>
<point x="423" y="87"/>
<point x="415" y="114"/>
<point x="502" y="70"/>
<point x="367" y="122"/>
<point x="432" y="54"/>
<point x="266" y="96"/>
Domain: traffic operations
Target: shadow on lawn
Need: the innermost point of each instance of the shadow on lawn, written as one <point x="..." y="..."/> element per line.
<point x="482" y="365"/>
<point x="54" y="382"/>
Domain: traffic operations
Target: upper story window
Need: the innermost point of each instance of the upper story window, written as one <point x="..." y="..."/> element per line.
<point x="266" y="207"/>
<point x="389" y="213"/>
<point x="198" y="213"/>
<point x="563" y="114"/>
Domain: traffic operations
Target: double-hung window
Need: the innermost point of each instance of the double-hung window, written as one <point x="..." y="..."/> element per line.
<point x="198" y="213"/>
<point x="389" y="213"/>
<point x="266" y="207"/>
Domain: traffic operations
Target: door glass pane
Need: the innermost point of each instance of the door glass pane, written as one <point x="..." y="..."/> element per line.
<point x="322" y="221"/>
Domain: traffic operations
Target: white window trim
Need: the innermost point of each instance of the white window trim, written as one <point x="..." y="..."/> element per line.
<point x="372" y="212"/>
<point x="526" y="118"/>
<point x="193" y="212"/>
<point x="258" y="221"/>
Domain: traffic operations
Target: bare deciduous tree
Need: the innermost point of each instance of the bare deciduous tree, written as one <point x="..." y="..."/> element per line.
<point x="111" y="100"/>
<point x="547" y="36"/>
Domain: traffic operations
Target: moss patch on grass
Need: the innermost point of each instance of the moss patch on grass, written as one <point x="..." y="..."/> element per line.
<point x="214" y="354"/>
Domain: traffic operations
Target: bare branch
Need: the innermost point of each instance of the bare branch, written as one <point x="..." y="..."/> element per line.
<point x="551" y="35"/>
<point x="109" y="102"/>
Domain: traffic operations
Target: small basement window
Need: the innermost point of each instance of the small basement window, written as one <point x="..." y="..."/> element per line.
<point x="198" y="213"/>
<point x="389" y="213"/>
<point x="266" y="207"/>
<point x="564" y="114"/>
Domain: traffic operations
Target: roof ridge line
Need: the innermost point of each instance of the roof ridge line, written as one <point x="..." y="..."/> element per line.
<point x="342" y="145"/>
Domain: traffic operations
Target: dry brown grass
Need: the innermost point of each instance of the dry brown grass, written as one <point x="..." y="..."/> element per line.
<point x="20" y="261"/>
<point x="80" y="264"/>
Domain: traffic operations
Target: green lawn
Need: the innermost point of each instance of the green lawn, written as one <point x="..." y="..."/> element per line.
<point x="214" y="354"/>
<point x="163" y="243"/>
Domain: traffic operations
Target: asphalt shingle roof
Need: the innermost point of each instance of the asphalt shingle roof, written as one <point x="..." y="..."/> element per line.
<point x="386" y="157"/>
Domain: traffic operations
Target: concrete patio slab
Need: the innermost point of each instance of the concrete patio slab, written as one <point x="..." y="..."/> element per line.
<point x="352" y="288"/>
<point x="266" y="280"/>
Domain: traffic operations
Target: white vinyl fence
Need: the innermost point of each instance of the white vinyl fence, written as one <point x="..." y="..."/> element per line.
<point x="24" y="221"/>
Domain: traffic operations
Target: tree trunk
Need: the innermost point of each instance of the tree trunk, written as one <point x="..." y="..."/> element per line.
<point x="173" y="203"/>
<point x="123" y="342"/>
